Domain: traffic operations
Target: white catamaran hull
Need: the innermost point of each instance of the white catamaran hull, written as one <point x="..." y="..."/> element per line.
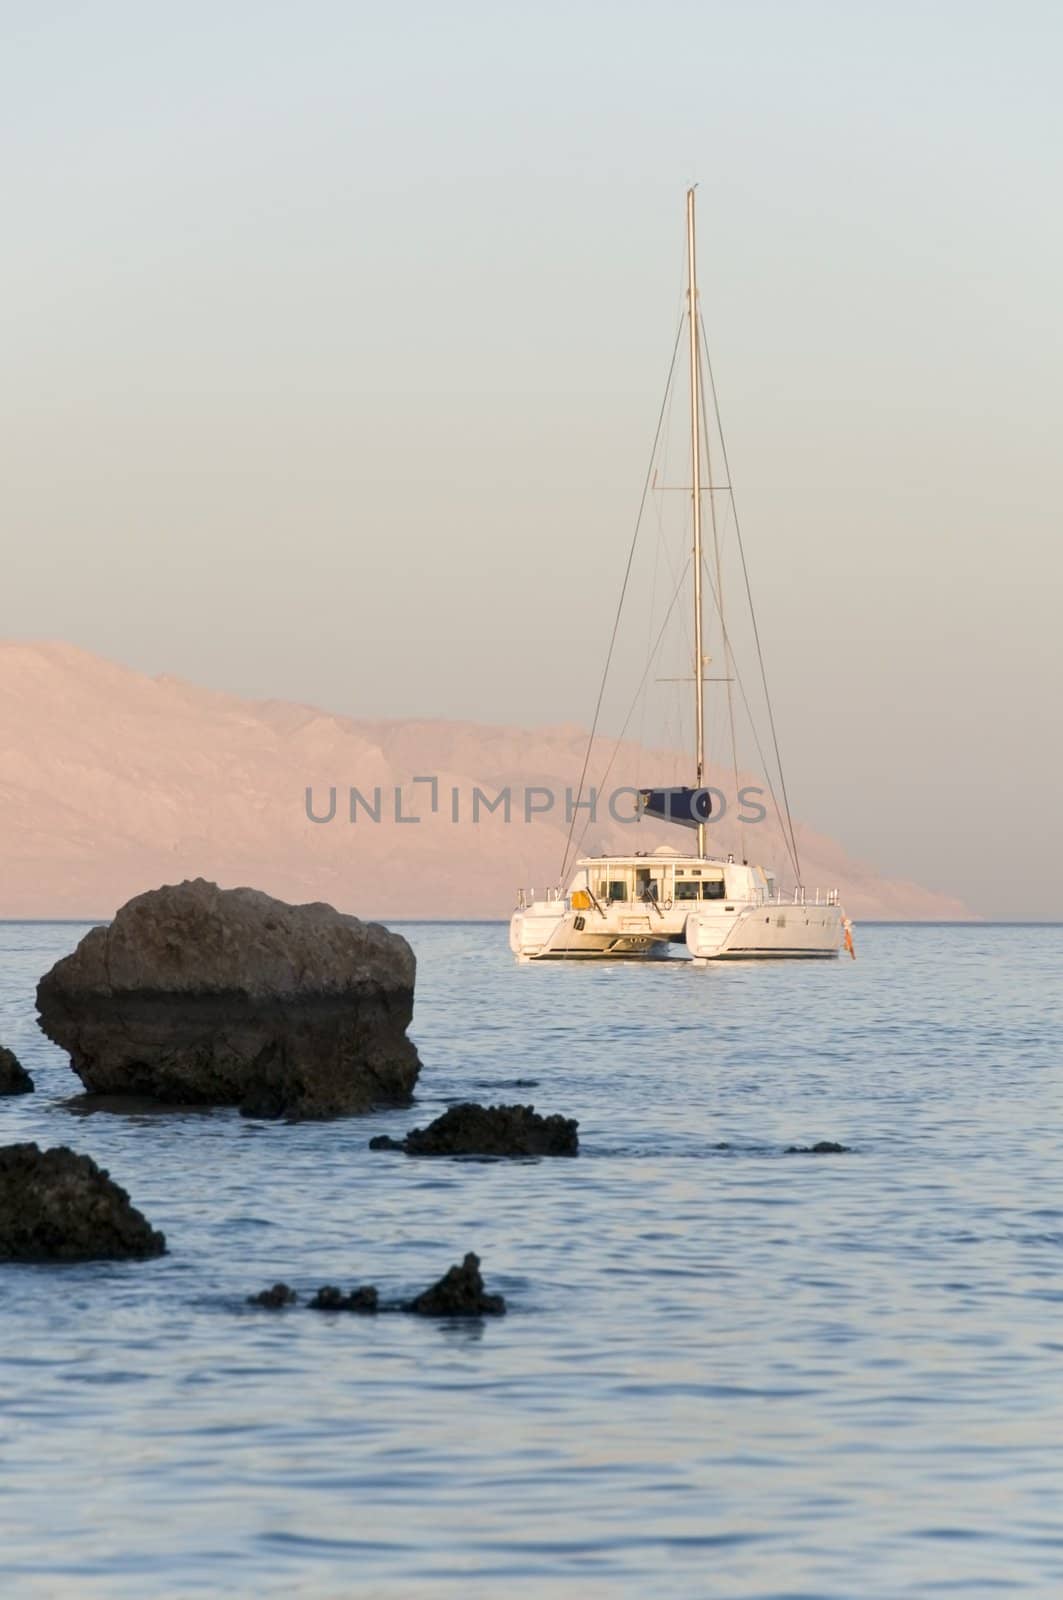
<point x="764" y="932"/>
<point x="557" y="934"/>
<point x="552" y="931"/>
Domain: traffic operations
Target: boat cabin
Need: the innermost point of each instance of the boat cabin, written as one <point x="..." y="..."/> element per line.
<point x="667" y="878"/>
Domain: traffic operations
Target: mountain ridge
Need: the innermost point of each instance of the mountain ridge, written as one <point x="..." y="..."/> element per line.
<point x="113" y="781"/>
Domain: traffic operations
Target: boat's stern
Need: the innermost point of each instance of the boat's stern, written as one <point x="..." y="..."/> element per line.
<point x="574" y="926"/>
<point x="534" y="926"/>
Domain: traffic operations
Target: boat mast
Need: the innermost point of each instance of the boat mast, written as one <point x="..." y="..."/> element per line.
<point x="695" y="482"/>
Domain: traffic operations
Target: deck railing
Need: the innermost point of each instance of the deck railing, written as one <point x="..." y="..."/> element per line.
<point x="804" y="897"/>
<point x="801" y="896"/>
<point x="526" y="898"/>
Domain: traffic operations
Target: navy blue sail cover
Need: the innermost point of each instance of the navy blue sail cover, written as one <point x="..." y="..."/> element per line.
<point x="687" y="807"/>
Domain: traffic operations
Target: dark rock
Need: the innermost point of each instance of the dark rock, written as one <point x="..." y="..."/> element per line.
<point x="274" y="1299"/>
<point x="58" y="1206"/>
<point x="200" y="995"/>
<point x="365" y="1299"/>
<point x="825" y="1147"/>
<point x="14" y="1079"/>
<point x="328" y="1298"/>
<point x="473" y="1130"/>
<point x="270" y="1100"/>
<point x="460" y="1293"/>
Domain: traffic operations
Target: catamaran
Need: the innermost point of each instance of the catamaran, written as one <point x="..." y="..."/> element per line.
<point x="642" y="904"/>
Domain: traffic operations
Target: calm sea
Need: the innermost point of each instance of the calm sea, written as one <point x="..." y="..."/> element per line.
<point x="725" y="1372"/>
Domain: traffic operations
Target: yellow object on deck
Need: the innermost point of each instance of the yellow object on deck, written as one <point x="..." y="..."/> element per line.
<point x="581" y="900"/>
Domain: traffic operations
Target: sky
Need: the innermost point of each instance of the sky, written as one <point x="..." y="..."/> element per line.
<point x="335" y="337"/>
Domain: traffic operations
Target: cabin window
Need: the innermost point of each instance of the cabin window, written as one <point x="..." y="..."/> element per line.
<point x="712" y="889"/>
<point x="618" y="889"/>
<point x="686" y="891"/>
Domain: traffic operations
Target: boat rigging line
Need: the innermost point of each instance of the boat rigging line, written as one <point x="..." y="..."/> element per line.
<point x="732" y="670"/>
<point x="749" y="601"/>
<point x="623" y="594"/>
<point x="634" y="702"/>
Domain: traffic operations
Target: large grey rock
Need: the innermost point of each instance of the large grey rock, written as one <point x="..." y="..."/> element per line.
<point x="201" y="995"/>
<point x="14" y="1079"/>
<point x="58" y="1206"/>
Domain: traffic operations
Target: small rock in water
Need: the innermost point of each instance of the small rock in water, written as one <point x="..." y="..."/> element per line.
<point x="328" y="1298"/>
<point x="273" y="1299"/>
<point x="468" y="1129"/>
<point x="825" y="1147"/>
<point x="365" y="1299"/>
<point x="14" y="1079"/>
<point x="58" y="1206"/>
<point x="459" y="1293"/>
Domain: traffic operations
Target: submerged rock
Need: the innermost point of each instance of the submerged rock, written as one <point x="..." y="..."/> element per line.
<point x="328" y="1298"/>
<point x="365" y="1299"/>
<point x="14" y="1079"/>
<point x="459" y="1293"/>
<point x="473" y="1130"/>
<point x="825" y="1147"/>
<point x="200" y="995"/>
<point x="274" y="1299"/>
<point x="58" y="1206"/>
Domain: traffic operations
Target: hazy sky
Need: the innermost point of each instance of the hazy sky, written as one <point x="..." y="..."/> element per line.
<point x="334" y="337"/>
